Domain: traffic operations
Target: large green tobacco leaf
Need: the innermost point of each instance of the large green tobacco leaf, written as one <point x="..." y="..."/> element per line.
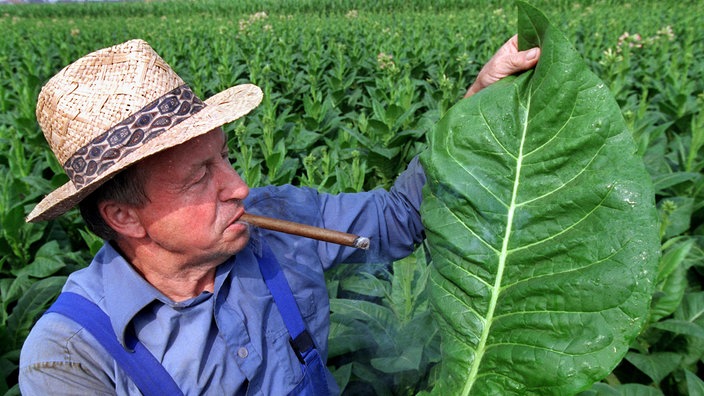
<point x="542" y="227"/>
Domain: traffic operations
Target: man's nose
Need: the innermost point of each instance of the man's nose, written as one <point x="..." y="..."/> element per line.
<point x="231" y="184"/>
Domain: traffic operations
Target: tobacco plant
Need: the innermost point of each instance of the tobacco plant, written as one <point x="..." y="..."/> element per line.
<point x="542" y="225"/>
<point x="383" y="339"/>
<point x="351" y="93"/>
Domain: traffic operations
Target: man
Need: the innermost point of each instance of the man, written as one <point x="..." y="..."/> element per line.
<point x="191" y="299"/>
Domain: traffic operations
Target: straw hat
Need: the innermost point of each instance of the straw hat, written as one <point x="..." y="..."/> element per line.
<point x="116" y="106"/>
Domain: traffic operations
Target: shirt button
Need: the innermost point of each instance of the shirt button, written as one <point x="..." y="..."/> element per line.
<point x="242" y="352"/>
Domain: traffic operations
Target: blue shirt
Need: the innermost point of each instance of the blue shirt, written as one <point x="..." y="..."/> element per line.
<point x="231" y="341"/>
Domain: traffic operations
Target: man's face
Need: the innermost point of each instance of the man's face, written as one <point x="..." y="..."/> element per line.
<point x="195" y="199"/>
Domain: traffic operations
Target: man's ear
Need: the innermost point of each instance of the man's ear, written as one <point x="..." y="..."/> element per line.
<point x="122" y="218"/>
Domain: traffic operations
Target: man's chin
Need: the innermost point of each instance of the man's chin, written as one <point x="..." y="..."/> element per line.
<point x="240" y="238"/>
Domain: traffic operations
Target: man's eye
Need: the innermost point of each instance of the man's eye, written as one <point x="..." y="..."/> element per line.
<point x="202" y="176"/>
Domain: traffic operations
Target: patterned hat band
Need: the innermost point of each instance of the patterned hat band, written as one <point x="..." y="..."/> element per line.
<point x="91" y="160"/>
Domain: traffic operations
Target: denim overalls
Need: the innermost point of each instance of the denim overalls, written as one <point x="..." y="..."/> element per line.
<point x="150" y="376"/>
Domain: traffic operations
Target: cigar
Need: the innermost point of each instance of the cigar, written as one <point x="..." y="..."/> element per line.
<point x="308" y="231"/>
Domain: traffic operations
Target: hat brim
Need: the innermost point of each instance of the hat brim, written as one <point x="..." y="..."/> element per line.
<point x="222" y="108"/>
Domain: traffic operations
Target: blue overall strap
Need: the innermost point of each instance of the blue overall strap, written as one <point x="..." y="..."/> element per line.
<point x="300" y="340"/>
<point x="142" y="367"/>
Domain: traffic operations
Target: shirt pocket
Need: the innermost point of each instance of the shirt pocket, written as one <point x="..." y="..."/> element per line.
<point x="280" y="350"/>
<point x="306" y="306"/>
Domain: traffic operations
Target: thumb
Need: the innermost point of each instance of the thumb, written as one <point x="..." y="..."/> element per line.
<point x="524" y="60"/>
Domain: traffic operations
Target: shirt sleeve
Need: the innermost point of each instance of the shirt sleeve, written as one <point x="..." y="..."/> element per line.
<point x="390" y="219"/>
<point x="51" y="363"/>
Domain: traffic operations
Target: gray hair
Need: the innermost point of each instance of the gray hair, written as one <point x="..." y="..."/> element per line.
<point x="127" y="187"/>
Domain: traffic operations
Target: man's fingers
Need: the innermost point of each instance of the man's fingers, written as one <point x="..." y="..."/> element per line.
<point x="507" y="61"/>
<point x="523" y="60"/>
<point x="532" y="54"/>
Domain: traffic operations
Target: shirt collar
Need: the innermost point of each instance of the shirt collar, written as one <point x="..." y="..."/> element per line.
<point x="127" y="293"/>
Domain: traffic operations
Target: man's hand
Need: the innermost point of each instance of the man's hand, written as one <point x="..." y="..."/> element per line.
<point x="506" y="61"/>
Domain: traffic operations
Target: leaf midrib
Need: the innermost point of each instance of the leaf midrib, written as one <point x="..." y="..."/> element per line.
<point x="481" y="348"/>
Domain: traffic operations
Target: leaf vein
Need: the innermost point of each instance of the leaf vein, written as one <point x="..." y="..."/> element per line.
<point x="566" y="229"/>
<point x="461" y="301"/>
<point x="526" y="202"/>
<point x="510" y="285"/>
<point x="463" y="224"/>
<point x="493" y="135"/>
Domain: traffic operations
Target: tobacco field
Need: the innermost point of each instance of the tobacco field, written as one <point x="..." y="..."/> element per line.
<point x="351" y="92"/>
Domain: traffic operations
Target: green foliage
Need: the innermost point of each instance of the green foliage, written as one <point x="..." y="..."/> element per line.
<point x="382" y="338"/>
<point x="351" y="92"/>
<point x="542" y="225"/>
